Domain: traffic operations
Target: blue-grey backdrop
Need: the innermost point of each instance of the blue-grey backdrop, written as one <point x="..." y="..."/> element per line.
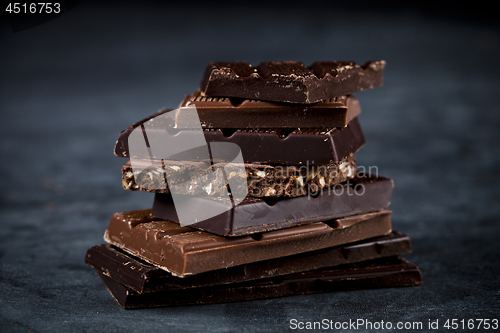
<point x="69" y="86"/>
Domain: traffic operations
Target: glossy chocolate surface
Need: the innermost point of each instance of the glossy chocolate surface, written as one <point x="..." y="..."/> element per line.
<point x="379" y="273"/>
<point x="144" y="277"/>
<point x="362" y="194"/>
<point x="290" y="81"/>
<point x="184" y="251"/>
<point x="299" y="146"/>
<point x="225" y="112"/>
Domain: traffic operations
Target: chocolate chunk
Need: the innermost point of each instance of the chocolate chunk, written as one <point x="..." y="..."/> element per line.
<point x="142" y="277"/>
<point x="290" y="81"/>
<point x="359" y="195"/>
<point x="223" y="112"/>
<point x="300" y="146"/>
<point x="379" y="273"/>
<point x="184" y="251"/>
<point x="291" y="181"/>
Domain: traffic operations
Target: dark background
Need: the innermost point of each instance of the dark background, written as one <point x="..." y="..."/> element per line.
<point x="70" y="85"/>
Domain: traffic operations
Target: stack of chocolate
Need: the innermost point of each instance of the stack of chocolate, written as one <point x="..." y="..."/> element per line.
<point x="294" y="214"/>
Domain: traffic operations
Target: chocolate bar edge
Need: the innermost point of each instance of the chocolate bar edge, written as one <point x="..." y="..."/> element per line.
<point x="239" y="220"/>
<point x="183" y="261"/>
<point x="404" y="274"/>
<point x="141" y="276"/>
<point x="339" y="143"/>
<point x="220" y="80"/>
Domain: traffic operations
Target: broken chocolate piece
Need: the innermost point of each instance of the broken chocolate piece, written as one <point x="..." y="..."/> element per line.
<point x="140" y="276"/>
<point x="271" y="180"/>
<point x="290" y="81"/>
<point x="224" y="112"/>
<point x="379" y="273"/>
<point x="300" y="146"/>
<point x="184" y="251"/>
<point x="362" y="194"/>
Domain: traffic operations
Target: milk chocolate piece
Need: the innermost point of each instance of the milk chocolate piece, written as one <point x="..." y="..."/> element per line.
<point x="224" y="112"/>
<point x="184" y="251"/>
<point x="140" y="276"/>
<point x="300" y="146"/>
<point x="290" y="81"/>
<point x="263" y="180"/>
<point x="361" y="194"/>
<point x="379" y="273"/>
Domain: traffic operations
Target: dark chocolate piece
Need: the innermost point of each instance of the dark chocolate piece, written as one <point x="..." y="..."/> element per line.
<point x="142" y="277"/>
<point x="301" y="146"/>
<point x="290" y="81"/>
<point x="270" y="180"/>
<point x="224" y="112"/>
<point x="184" y="251"/>
<point x="380" y="273"/>
<point x="362" y="194"/>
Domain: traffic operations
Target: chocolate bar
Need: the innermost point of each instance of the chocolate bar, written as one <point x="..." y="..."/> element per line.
<point x="300" y="146"/>
<point x="290" y="81"/>
<point x="225" y="112"/>
<point x="184" y="251"/>
<point x="262" y="180"/>
<point x="379" y="273"/>
<point x="361" y="194"/>
<point x="142" y="277"/>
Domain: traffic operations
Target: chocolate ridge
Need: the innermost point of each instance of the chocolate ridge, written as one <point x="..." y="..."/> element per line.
<point x="143" y="277"/>
<point x="184" y="251"/>
<point x="290" y="81"/>
<point x="301" y="146"/>
<point x="380" y="273"/>
<point x="361" y="194"/>
<point x="227" y="112"/>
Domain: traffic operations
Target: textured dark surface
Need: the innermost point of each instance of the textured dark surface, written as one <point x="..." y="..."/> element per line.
<point x="69" y="86"/>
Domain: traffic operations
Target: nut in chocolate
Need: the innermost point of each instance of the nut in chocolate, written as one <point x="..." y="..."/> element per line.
<point x="164" y="144"/>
